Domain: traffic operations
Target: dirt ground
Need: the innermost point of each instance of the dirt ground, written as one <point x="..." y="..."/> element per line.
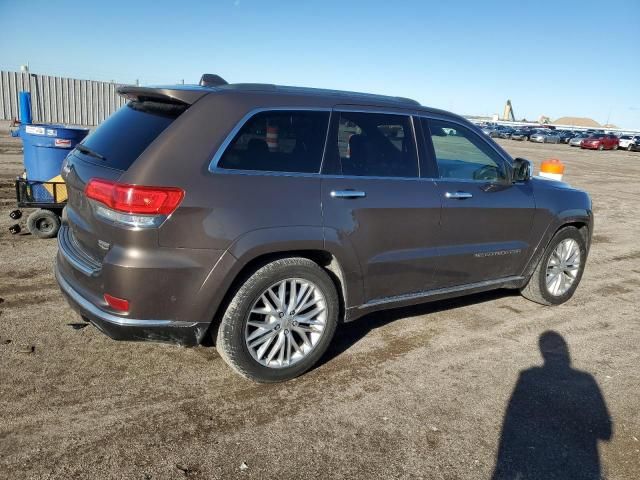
<point x="413" y="393"/>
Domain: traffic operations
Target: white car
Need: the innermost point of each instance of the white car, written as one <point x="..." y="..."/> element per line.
<point x="629" y="142"/>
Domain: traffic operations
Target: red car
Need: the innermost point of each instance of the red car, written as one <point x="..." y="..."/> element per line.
<point x="600" y="141"/>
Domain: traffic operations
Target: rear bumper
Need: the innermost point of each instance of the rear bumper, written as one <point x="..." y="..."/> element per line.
<point x="125" y="328"/>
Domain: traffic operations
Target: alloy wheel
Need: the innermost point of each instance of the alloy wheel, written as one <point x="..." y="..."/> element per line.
<point x="563" y="267"/>
<point x="286" y="323"/>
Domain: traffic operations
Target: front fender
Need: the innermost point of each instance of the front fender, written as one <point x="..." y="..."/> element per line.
<point x="567" y="217"/>
<point x="557" y="204"/>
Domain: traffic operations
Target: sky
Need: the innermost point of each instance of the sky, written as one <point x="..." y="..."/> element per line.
<point x="560" y="58"/>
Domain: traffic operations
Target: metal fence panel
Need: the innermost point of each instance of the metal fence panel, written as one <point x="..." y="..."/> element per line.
<point x="59" y="99"/>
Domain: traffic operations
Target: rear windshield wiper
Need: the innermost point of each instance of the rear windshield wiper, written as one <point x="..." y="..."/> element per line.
<point x="87" y="151"/>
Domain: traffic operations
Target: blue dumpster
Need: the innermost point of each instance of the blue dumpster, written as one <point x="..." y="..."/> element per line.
<point x="45" y="147"/>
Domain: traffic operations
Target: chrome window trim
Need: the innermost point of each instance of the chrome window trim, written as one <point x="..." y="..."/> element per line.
<point x="373" y="109"/>
<point x="373" y="177"/>
<point x="213" y="164"/>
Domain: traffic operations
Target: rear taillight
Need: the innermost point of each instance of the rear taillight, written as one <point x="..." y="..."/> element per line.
<point x="135" y="199"/>
<point x="133" y="205"/>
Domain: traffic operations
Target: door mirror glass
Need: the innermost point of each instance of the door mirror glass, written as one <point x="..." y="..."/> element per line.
<point x="522" y="170"/>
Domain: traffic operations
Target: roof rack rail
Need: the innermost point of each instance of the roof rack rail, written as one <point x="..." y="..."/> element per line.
<point x="212" y="80"/>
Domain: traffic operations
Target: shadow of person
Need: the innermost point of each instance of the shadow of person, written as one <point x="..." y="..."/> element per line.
<point x="554" y="420"/>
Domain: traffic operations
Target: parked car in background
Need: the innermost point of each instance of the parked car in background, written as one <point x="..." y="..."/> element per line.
<point x="565" y="135"/>
<point x="495" y="132"/>
<point x="545" y="137"/>
<point x="505" y="132"/>
<point x="208" y="248"/>
<point x="521" y="134"/>
<point x="629" y="142"/>
<point x="600" y="142"/>
<point x="487" y="130"/>
<point x="577" y="140"/>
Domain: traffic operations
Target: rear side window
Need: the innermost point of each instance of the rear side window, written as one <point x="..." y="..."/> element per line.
<point x="279" y="141"/>
<point x="376" y="145"/>
<point x="121" y="138"/>
<point x="463" y="155"/>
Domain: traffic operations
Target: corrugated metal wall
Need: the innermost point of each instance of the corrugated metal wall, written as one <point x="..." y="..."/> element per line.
<point x="57" y="99"/>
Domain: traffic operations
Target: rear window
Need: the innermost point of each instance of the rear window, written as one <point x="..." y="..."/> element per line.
<point x="121" y="138"/>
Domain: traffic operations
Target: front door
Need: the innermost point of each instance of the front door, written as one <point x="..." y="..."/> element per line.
<point x="375" y="204"/>
<point x="486" y="219"/>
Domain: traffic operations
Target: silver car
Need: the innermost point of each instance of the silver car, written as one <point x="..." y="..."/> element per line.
<point x="545" y="137"/>
<point x="575" y="141"/>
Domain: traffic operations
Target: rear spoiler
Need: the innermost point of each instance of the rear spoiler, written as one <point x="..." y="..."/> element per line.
<point x="177" y="95"/>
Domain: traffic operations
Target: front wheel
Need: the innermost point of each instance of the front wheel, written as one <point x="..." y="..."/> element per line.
<point x="560" y="269"/>
<point x="280" y="321"/>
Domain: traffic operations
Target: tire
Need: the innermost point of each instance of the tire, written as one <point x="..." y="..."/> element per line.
<point x="601" y="147"/>
<point x="43" y="223"/>
<point x="234" y="327"/>
<point x="536" y="289"/>
<point x="630" y="148"/>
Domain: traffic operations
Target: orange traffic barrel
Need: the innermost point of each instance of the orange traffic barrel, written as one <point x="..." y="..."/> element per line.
<point x="272" y="138"/>
<point x="552" y="168"/>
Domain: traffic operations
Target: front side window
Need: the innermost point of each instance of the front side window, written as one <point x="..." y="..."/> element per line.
<point x="279" y="141"/>
<point x="463" y="155"/>
<point x="376" y="145"/>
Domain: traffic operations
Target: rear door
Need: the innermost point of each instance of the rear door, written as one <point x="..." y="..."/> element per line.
<point x="486" y="219"/>
<point x="376" y="205"/>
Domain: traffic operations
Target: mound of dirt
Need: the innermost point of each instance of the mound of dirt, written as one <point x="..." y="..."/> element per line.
<point x="577" y="121"/>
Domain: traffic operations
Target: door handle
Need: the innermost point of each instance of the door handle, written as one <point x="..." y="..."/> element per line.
<point x="347" y="194"/>
<point x="458" y="195"/>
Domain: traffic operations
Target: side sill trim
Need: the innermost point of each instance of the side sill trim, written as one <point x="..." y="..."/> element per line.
<point x="439" y="291"/>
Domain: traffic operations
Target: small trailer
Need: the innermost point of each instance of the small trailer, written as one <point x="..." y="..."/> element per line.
<point x="48" y="197"/>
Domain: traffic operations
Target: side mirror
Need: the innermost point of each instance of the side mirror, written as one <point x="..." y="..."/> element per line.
<point x="522" y="170"/>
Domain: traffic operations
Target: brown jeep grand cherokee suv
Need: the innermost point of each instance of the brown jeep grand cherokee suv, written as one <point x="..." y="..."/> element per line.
<point x="264" y="216"/>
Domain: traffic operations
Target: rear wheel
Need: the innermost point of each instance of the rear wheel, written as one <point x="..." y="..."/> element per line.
<point x="43" y="223"/>
<point x="280" y="321"/>
<point x="558" y="274"/>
